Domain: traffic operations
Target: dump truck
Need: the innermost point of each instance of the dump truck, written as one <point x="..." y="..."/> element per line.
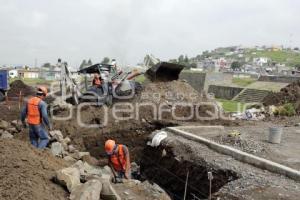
<point x="4" y="84"/>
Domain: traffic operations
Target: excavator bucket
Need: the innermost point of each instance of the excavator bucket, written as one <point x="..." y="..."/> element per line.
<point x="164" y="71"/>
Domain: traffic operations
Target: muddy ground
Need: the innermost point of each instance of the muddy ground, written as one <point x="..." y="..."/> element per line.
<point x="166" y="165"/>
<point x="26" y="173"/>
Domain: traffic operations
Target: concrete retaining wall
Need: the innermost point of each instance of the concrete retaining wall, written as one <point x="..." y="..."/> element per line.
<point x="279" y="79"/>
<point x="224" y="92"/>
<point x="195" y="79"/>
<point x="202" y="80"/>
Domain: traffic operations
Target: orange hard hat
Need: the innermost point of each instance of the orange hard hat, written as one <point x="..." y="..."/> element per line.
<point x="42" y="90"/>
<point x="109" y="146"/>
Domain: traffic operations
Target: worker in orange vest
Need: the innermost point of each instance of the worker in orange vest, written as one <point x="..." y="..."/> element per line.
<point x="118" y="159"/>
<point x="97" y="81"/>
<point x="36" y="113"/>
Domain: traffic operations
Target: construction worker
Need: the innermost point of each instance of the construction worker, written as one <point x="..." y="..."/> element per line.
<point x="97" y="80"/>
<point x="118" y="160"/>
<point x="36" y="113"/>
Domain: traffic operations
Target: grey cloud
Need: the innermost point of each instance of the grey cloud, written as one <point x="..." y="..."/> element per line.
<point x="128" y="29"/>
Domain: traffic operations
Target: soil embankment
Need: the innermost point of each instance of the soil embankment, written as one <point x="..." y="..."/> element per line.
<point x="26" y="173"/>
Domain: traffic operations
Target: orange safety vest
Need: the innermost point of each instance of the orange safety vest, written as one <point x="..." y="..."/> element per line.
<point x="97" y="81"/>
<point x="33" y="112"/>
<point x="119" y="160"/>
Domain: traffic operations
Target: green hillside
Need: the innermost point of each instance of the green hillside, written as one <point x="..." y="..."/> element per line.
<point x="286" y="57"/>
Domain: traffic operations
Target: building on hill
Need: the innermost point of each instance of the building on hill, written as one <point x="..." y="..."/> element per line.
<point x="261" y="61"/>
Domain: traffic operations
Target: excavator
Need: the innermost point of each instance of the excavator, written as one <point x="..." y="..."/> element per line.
<point x="116" y="85"/>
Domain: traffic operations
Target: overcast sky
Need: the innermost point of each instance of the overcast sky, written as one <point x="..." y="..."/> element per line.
<point x="128" y="29"/>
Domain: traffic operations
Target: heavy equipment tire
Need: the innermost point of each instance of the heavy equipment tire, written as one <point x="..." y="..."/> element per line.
<point x="138" y="87"/>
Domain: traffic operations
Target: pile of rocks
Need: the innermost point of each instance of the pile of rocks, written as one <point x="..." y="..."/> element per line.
<point x="83" y="181"/>
<point x="86" y="181"/>
<point x="9" y="129"/>
<point x="61" y="147"/>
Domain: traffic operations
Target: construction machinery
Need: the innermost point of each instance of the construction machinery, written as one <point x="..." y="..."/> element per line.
<point x="115" y="85"/>
<point x="161" y="71"/>
<point x="4" y="84"/>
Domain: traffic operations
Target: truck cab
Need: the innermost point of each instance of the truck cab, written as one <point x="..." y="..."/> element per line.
<point x="4" y="84"/>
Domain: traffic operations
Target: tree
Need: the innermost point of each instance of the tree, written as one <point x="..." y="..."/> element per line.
<point x="297" y="67"/>
<point x="83" y="64"/>
<point x="296" y="48"/>
<point x="199" y="57"/>
<point x="235" y="65"/>
<point x="46" y="65"/>
<point x="193" y="65"/>
<point x="186" y="59"/>
<point x="181" y="59"/>
<point x="105" y="60"/>
<point x="89" y="62"/>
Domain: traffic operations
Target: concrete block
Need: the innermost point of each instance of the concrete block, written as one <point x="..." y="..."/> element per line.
<point x="12" y="130"/>
<point x="108" y="192"/>
<point x="69" y="177"/>
<point x="71" y="149"/>
<point x="69" y="159"/>
<point x="88" y="191"/>
<point x="4" y="124"/>
<point x="6" y="135"/>
<point x="57" y="149"/>
<point x="67" y="140"/>
<point x="79" y="165"/>
<point x="57" y="135"/>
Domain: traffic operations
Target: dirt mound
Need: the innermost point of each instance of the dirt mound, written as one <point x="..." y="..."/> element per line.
<point x="288" y="94"/>
<point x="170" y="92"/>
<point x="17" y="86"/>
<point x="136" y="121"/>
<point x="174" y="100"/>
<point x="26" y="172"/>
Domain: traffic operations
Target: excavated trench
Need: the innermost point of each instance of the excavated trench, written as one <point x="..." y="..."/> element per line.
<point x="159" y="165"/>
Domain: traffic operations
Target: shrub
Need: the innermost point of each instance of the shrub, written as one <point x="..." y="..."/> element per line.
<point x="287" y="109"/>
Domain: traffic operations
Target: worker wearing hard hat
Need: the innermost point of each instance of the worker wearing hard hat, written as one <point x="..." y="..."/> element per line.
<point x="36" y="113"/>
<point x="97" y="81"/>
<point x="118" y="159"/>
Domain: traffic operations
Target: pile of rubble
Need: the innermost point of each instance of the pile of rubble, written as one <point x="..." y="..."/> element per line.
<point x="179" y="100"/>
<point x="236" y="140"/>
<point x="8" y="130"/>
<point x="288" y="94"/>
<point x="85" y="181"/>
<point x="19" y="86"/>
